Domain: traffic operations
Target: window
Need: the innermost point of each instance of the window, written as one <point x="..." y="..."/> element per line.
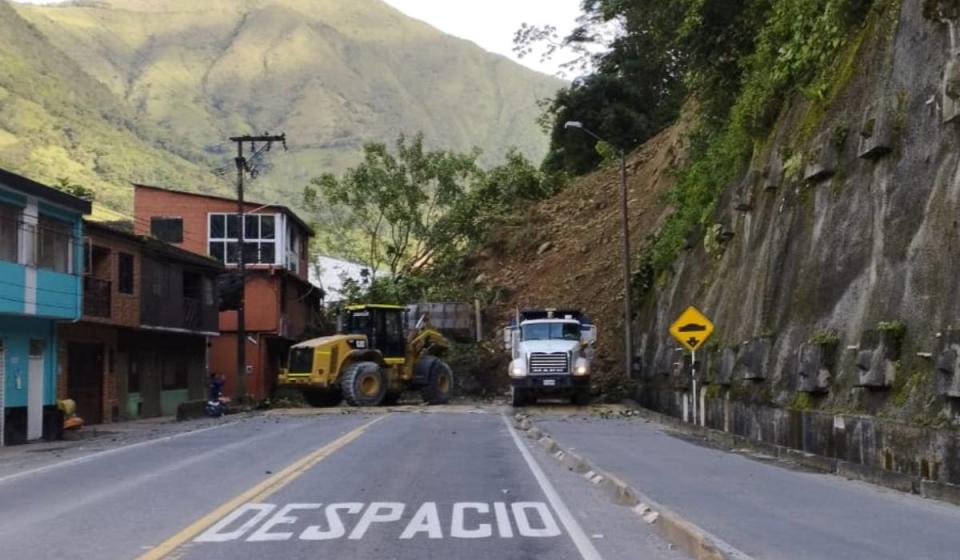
<point x="293" y="249"/>
<point x="167" y="229"/>
<point x="125" y="273"/>
<point x="551" y="331"/>
<point x="9" y="232"/>
<point x="259" y="233"/>
<point x="55" y="244"/>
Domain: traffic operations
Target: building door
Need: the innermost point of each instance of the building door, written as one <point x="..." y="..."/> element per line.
<point x="35" y="389"/>
<point x="85" y="380"/>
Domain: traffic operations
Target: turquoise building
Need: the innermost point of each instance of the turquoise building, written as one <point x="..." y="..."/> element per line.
<point x="41" y="266"/>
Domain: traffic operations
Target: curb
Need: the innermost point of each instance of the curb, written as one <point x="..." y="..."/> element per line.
<point x="693" y="540"/>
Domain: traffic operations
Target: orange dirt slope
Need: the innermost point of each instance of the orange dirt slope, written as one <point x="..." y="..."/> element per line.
<point x="567" y="250"/>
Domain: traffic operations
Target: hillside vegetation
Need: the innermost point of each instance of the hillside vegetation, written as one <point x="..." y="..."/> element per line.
<point x="333" y="75"/>
<point x="58" y="122"/>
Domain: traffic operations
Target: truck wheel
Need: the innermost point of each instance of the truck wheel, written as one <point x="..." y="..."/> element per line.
<point x="439" y="384"/>
<point x="518" y="397"/>
<point x="581" y="397"/>
<point x="363" y="384"/>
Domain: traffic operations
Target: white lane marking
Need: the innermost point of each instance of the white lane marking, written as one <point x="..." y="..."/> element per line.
<point x="218" y="533"/>
<point x="525" y="527"/>
<point x="426" y="520"/>
<point x="98" y="454"/>
<point x="335" y="524"/>
<point x="458" y="528"/>
<point x="579" y="538"/>
<point x="503" y="520"/>
<point x="280" y="518"/>
<point x="468" y="520"/>
<point x="377" y="512"/>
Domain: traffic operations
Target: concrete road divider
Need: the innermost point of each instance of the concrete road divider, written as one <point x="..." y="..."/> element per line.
<point x="693" y="540"/>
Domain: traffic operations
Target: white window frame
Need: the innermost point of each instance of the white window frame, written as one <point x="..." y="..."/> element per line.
<point x="38" y="233"/>
<point x="292" y="246"/>
<point x="225" y="240"/>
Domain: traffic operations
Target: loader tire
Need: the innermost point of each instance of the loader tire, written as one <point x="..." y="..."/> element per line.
<point x="439" y="384"/>
<point x="364" y="384"/>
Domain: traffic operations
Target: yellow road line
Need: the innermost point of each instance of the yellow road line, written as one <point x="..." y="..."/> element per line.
<point x="258" y="493"/>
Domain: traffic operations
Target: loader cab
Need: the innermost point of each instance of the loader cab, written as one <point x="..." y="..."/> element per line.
<point x="381" y="324"/>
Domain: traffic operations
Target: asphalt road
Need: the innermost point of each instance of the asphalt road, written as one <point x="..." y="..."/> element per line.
<point x="762" y="508"/>
<point x="455" y="484"/>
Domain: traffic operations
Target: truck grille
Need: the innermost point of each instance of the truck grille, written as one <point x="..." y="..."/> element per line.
<point x="543" y="363"/>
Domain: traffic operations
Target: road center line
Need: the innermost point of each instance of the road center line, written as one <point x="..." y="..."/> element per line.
<point x="579" y="538"/>
<point x="263" y="490"/>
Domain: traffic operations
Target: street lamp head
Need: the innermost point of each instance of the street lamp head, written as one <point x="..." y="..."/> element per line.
<point x="573" y="124"/>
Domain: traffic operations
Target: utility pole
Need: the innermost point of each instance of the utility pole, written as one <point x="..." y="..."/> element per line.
<point x="243" y="167"/>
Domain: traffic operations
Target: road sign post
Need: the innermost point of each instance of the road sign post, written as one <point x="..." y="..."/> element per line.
<point x="692" y="329"/>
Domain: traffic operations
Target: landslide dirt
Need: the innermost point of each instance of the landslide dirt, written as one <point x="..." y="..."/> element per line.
<point x="566" y="251"/>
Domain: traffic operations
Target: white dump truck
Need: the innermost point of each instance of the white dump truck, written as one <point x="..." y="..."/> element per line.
<point x="551" y="351"/>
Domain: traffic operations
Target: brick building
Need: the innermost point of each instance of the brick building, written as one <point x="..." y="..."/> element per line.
<point x="140" y="347"/>
<point x="281" y="304"/>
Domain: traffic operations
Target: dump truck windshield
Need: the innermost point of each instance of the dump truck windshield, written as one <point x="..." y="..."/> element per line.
<point x="551" y="331"/>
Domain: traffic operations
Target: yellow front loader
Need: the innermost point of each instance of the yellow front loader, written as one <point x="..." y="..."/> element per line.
<point x="371" y="362"/>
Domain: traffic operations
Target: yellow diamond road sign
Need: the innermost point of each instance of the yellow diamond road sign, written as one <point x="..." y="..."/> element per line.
<point x="691" y="329"/>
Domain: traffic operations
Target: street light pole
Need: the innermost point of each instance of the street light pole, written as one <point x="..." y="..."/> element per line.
<point x="627" y="306"/>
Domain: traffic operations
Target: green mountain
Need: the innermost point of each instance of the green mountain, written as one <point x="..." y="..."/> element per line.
<point x="58" y="122"/>
<point x="331" y="74"/>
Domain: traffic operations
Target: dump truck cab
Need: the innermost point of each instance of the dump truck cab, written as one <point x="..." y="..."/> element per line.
<point x="551" y="353"/>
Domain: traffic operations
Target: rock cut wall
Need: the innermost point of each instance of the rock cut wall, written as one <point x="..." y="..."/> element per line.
<point x="832" y="267"/>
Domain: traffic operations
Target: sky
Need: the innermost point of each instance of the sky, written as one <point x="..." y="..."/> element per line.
<point x="492" y="23"/>
<point x="488" y="23"/>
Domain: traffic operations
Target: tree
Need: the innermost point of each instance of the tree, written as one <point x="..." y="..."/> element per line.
<point x="637" y="84"/>
<point x="635" y="88"/>
<point x="389" y="205"/>
<point x="416" y="214"/>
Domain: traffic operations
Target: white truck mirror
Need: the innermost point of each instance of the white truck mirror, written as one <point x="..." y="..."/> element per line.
<point x="510" y="338"/>
<point x="588" y="335"/>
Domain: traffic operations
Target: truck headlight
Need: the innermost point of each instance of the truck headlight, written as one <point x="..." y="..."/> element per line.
<point x="518" y="368"/>
<point x="581" y="367"/>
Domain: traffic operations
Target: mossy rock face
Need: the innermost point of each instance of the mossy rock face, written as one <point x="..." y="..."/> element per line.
<point x="948" y="364"/>
<point x="815" y="364"/>
<point x="878" y="357"/>
<point x="753" y="358"/>
<point x="726" y="364"/>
